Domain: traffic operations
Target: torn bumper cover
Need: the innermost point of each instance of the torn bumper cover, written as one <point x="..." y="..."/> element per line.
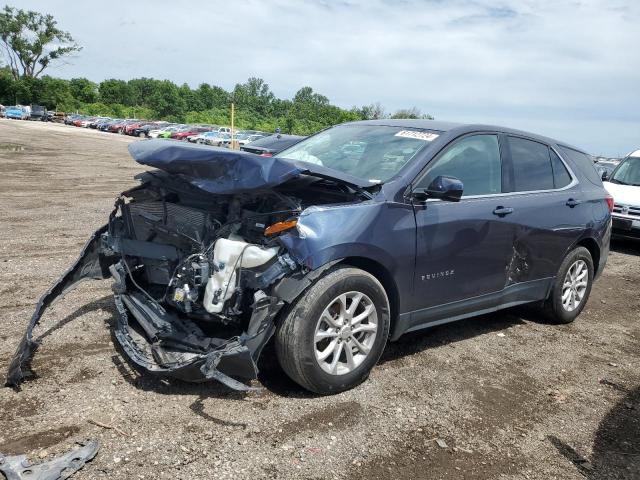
<point x="90" y="265"/>
<point x="157" y="340"/>
<point x="168" y="346"/>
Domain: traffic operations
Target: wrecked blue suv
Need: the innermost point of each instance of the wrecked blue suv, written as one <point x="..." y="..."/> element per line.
<point x="339" y="244"/>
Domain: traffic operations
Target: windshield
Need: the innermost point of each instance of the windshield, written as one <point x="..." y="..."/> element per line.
<point x="372" y="152"/>
<point x="628" y="173"/>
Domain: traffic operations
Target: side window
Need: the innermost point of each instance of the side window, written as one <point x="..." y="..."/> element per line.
<point x="475" y="160"/>
<point x="561" y="177"/>
<point x="531" y="165"/>
<point x="584" y="163"/>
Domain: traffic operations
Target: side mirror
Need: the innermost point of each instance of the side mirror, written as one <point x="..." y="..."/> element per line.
<point x="443" y="187"/>
<point x="605" y="175"/>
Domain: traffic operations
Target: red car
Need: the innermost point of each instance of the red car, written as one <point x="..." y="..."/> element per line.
<point x="129" y="127"/>
<point x="187" y="132"/>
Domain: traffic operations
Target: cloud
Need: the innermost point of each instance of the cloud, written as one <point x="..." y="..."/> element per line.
<point x="566" y="69"/>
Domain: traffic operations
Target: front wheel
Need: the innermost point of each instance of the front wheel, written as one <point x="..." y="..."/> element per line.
<point x="572" y="287"/>
<point x="334" y="334"/>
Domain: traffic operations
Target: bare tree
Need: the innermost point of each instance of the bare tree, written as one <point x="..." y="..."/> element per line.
<point x="412" y="112"/>
<point x="375" y="111"/>
<point x="32" y="41"/>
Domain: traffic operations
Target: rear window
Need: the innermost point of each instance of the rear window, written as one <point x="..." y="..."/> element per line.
<point x="582" y="162"/>
<point x="531" y="165"/>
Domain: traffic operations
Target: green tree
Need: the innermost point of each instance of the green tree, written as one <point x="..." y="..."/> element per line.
<point x="166" y="101"/>
<point x="7" y="86"/>
<point x="83" y="90"/>
<point x="32" y="41"/>
<point x="141" y="89"/>
<point x="212" y="96"/>
<point x="116" y="91"/>
<point x="253" y="95"/>
<point x="55" y="94"/>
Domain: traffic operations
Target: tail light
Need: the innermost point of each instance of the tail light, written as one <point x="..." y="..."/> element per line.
<point x="610" y="203"/>
<point x="266" y="154"/>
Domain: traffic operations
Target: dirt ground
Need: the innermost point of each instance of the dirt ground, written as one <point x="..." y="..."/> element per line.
<point x="506" y="396"/>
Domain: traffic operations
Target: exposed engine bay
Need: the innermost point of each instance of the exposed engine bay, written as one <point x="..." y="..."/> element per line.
<point x="196" y="274"/>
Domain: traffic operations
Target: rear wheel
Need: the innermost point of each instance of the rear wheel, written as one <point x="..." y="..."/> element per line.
<point x="334" y="334"/>
<point x="572" y="287"/>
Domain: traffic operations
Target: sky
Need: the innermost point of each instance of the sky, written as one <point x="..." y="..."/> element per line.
<point x="566" y="69"/>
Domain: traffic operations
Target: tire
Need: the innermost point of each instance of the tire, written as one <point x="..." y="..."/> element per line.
<point x="553" y="308"/>
<point x="141" y="135"/>
<point x="297" y="349"/>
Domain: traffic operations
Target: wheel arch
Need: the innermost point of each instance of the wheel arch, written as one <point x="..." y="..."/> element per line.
<point x="594" y="249"/>
<point x="384" y="277"/>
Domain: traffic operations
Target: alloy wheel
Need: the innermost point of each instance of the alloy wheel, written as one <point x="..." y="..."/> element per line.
<point x="345" y="333"/>
<point x="575" y="285"/>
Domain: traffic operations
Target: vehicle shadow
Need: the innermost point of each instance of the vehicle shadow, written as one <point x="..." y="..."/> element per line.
<point x="103" y="303"/>
<point x="454" y="332"/>
<point x="274" y="379"/>
<point x="625" y="245"/>
<point x="616" y="448"/>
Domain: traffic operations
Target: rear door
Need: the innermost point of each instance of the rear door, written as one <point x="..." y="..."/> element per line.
<point x="547" y="205"/>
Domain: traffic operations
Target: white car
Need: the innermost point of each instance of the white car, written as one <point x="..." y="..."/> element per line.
<point x="624" y="186"/>
<point x="250" y="138"/>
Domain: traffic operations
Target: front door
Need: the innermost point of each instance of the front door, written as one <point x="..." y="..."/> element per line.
<point x="463" y="248"/>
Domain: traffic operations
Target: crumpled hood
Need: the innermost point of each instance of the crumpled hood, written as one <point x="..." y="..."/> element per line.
<point x="624" y="194"/>
<point x="224" y="171"/>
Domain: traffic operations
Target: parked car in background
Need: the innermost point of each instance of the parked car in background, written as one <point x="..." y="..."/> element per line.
<point x="251" y="138"/>
<point x="271" y="145"/>
<point x="605" y="167"/>
<point x="143" y="131"/>
<point x="624" y="186"/>
<point x="214" y="138"/>
<point x="56" y="117"/>
<point x="186" y="132"/>
<point x="17" y="112"/>
<point x="95" y="124"/>
<point x="38" y="112"/>
<point x="70" y="118"/>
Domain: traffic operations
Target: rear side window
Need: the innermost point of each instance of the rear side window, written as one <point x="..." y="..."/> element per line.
<point x="561" y="177"/>
<point x="583" y="162"/>
<point x="531" y="165"/>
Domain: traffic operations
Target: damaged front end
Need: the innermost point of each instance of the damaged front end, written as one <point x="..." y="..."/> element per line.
<point x="195" y="272"/>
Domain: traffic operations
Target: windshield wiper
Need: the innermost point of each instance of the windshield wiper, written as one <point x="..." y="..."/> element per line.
<point x="620" y="182"/>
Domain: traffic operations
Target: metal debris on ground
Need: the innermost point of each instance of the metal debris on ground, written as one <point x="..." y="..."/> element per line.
<point x="441" y="443"/>
<point x="19" y="468"/>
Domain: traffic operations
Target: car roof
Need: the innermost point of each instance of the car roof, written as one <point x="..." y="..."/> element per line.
<point x="634" y="154"/>
<point x="455" y="127"/>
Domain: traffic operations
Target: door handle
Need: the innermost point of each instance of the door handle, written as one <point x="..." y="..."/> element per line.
<point x="572" y="202"/>
<point x="502" y="211"/>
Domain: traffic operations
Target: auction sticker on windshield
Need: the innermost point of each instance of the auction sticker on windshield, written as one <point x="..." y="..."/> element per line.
<point x="426" y="136"/>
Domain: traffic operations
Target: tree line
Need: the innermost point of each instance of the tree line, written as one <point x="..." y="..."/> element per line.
<point x="147" y="98"/>
<point x="32" y="41"/>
